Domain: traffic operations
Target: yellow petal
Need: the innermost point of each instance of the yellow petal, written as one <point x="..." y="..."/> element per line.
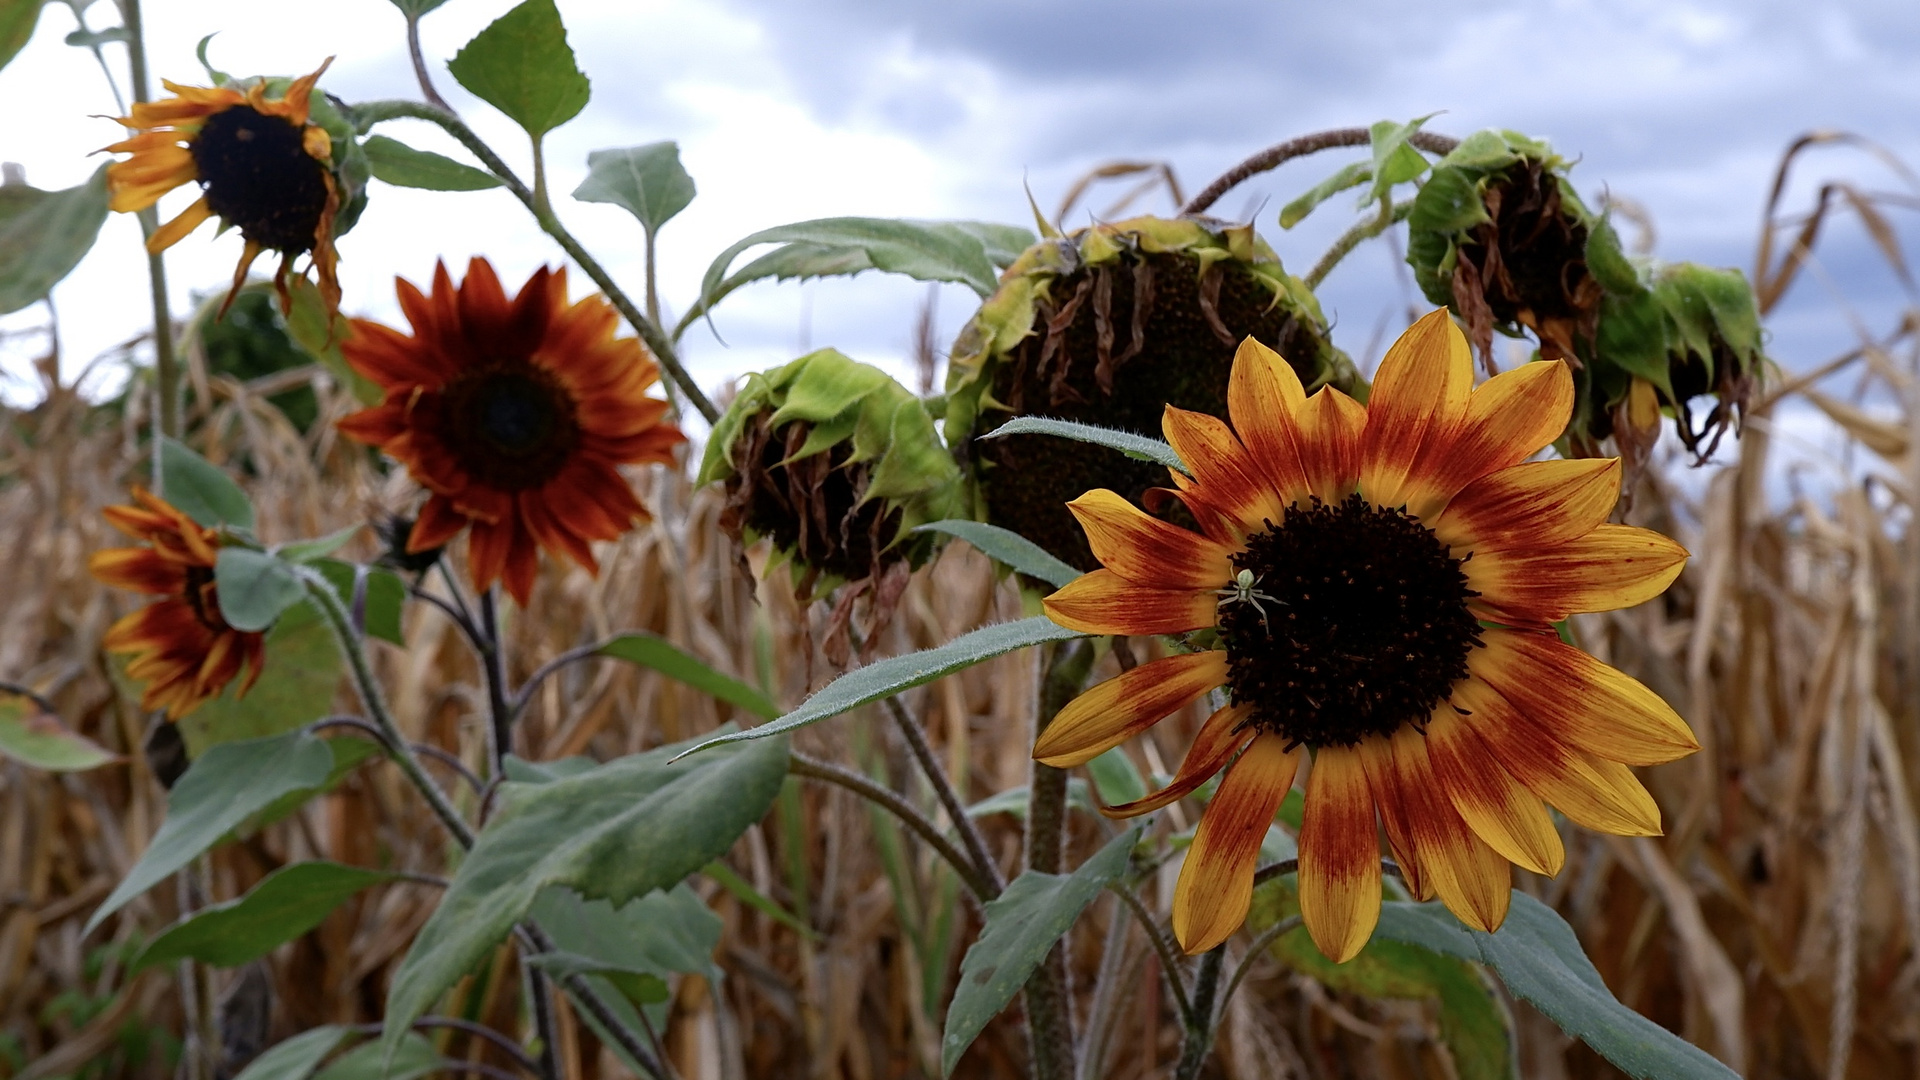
<point x="174" y="231"/>
<point x="1389" y="795"/>
<point x="1534" y="504"/>
<point x="1339" y="856"/>
<point x="1497" y="807"/>
<point x="1264" y="399"/>
<point x="1216" y="882"/>
<point x="1419" y="396"/>
<point x="1218" y="740"/>
<point x="1589" y="705"/>
<point x="1508" y="418"/>
<point x="1116" y="710"/>
<point x="1612" y="567"/>
<point x="1103" y="602"/>
<point x="1146" y="550"/>
<point x="1226" y="474"/>
<point x="1332" y="426"/>
<point x="1468" y="876"/>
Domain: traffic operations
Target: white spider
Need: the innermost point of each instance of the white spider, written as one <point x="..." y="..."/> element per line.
<point x="1242" y="590"/>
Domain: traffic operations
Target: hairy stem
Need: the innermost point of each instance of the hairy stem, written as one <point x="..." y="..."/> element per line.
<point x="500" y="713"/>
<point x="1170" y="961"/>
<point x="916" y="737"/>
<point x="166" y="367"/>
<point x="375" y="701"/>
<point x="1049" y="994"/>
<point x="1267" y="937"/>
<point x="537" y="941"/>
<point x="1362" y="231"/>
<point x="1275" y="156"/>
<point x="420" y="66"/>
<point x="374" y="112"/>
<point x="983" y="888"/>
<point x="1199" y="1035"/>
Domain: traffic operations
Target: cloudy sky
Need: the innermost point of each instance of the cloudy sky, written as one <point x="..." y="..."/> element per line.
<point x="794" y="109"/>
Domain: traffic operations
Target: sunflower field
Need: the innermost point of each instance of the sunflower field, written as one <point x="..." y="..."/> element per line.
<point x="1165" y="687"/>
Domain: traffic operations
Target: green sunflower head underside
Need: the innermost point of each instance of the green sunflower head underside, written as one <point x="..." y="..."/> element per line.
<point x="837" y="462"/>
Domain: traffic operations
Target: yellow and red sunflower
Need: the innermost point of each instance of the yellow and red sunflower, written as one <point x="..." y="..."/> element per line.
<point x="516" y="415"/>
<point x="1379" y="583"/>
<point x="186" y="652"/>
<point x="262" y="168"/>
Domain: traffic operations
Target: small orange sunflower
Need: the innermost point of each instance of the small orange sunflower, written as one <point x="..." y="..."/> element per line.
<point x="515" y="414"/>
<point x="1381" y="583"/>
<point x="186" y="652"/>
<point x="261" y="165"/>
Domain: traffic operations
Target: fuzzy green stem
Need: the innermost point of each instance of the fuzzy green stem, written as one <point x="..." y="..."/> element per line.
<point x="1048" y="992"/>
<point x="983" y="888"/>
<point x="1199" y="1034"/>
<point x="375" y="701"/>
<point x="166" y="367"/>
<point x="1362" y="231"/>
<point x="916" y="737"/>
<point x="420" y="65"/>
<point x="374" y="112"/>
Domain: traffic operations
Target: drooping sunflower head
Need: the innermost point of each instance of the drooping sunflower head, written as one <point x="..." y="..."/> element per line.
<point x="183" y="649"/>
<point x="1107" y="327"/>
<point x="836" y="463"/>
<point x="266" y="162"/>
<point x="1378" y="584"/>
<point x="515" y="414"/>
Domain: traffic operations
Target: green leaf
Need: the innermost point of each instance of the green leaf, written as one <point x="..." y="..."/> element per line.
<point x="295" y="687"/>
<point x="666" y="932"/>
<point x="1014" y="800"/>
<point x="254" y="587"/>
<point x="926" y="250"/>
<point x="616" y="833"/>
<point x="37" y="738"/>
<point x="45" y="234"/>
<point x="1115" y="777"/>
<point x="306" y="551"/>
<point x="220" y="790"/>
<point x="1394" y="160"/>
<point x="1003" y="243"/>
<point x="348" y="752"/>
<point x="897" y="673"/>
<point x="17" y="20"/>
<point x="296" y="1058"/>
<point x="653" y="651"/>
<point x="1606" y="261"/>
<point x="284" y="905"/>
<point x="403" y="166"/>
<point x="646" y="181"/>
<point x="522" y="65"/>
<point x="1473" y="1021"/>
<point x="1137" y="447"/>
<point x="309" y="327"/>
<point x="1536" y="954"/>
<point x="1022" y="924"/>
<point x="1348" y="176"/>
<point x="638" y="987"/>
<point x="413" y="9"/>
<point x="1008" y="547"/>
<point x="199" y="489"/>
<point x="93" y="39"/>
<point x="409" y="1056"/>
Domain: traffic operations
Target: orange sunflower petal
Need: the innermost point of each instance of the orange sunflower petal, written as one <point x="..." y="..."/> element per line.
<point x="1216" y="881"/>
<point x="1495" y="805"/>
<point x="1148" y="551"/>
<point x="1419" y="396"/>
<point x="1533" y="504"/>
<point x="1264" y="400"/>
<point x="1103" y="602"/>
<point x="1508" y="418"/>
<point x="523" y="561"/>
<point x="1593" y="792"/>
<point x="1339" y="856"/>
<point x="1612" y="567"/>
<point x="1218" y="740"/>
<point x="1593" y="707"/>
<point x="1332" y="426"/>
<point x="1391" y="796"/>
<point x="138" y="568"/>
<point x="1227" y="475"/>
<point x="1468" y="876"/>
<point x="176" y="230"/>
<point x="1120" y="708"/>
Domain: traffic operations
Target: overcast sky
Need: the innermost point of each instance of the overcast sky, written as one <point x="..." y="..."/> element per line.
<point x="794" y="109"/>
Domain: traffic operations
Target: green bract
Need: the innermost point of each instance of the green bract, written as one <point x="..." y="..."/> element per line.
<point x="1108" y="327"/>
<point x="837" y="463"/>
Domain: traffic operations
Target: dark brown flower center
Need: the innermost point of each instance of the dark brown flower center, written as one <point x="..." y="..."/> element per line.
<point x="511" y="425"/>
<point x="814" y="507"/>
<point x="258" y="175"/>
<point x="202" y="596"/>
<point x="1348" y="620"/>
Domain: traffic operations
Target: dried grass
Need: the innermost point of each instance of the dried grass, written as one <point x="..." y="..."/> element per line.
<point x="1776" y="923"/>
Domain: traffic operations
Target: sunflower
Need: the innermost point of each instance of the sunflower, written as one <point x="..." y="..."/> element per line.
<point x="515" y="415"/>
<point x="261" y="165"/>
<point x="186" y="653"/>
<point x="1378" y="585"/>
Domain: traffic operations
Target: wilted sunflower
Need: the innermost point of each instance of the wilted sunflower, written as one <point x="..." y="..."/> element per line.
<point x="261" y="165"/>
<point x="1380" y="583"/>
<point x="186" y="651"/>
<point x="516" y="415"/>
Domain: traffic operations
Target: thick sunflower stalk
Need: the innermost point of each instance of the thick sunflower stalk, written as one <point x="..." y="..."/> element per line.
<point x="1107" y="327"/>
<point x="1499" y="235"/>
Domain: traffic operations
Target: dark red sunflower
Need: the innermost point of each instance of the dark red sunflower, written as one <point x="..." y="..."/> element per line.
<point x="185" y="651"/>
<point x="516" y="414"/>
